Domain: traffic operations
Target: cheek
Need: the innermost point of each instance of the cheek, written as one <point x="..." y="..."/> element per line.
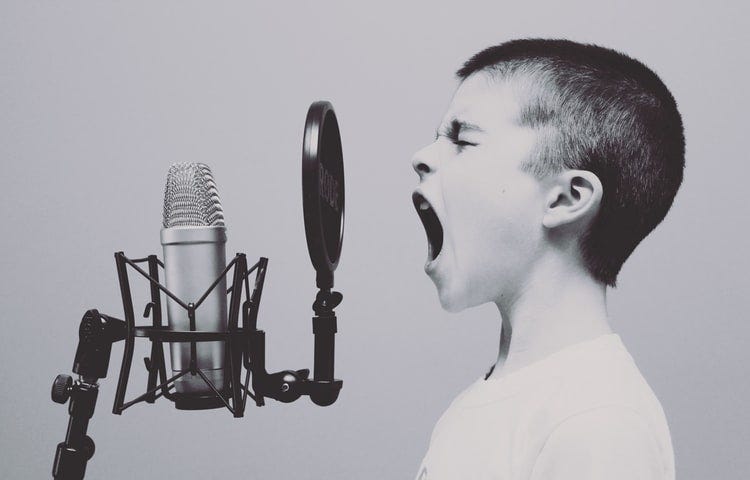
<point x="493" y="203"/>
<point x="498" y="229"/>
<point x="518" y="226"/>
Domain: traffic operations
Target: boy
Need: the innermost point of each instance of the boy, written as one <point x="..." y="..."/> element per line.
<point x="554" y="160"/>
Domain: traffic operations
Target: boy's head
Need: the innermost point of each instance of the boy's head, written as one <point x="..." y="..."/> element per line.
<point x="547" y="145"/>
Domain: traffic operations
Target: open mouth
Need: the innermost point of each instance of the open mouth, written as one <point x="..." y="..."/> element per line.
<point x="431" y="224"/>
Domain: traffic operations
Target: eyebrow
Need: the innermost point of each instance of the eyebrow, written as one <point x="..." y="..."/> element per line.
<point x="456" y="125"/>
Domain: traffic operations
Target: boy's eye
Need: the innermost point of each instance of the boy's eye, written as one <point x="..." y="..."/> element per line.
<point x="463" y="143"/>
<point x="453" y="133"/>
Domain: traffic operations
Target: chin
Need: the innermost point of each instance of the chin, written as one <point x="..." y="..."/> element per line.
<point x="453" y="301"/>
<point x="450" y="306"/>
<point x="459" y="296"/>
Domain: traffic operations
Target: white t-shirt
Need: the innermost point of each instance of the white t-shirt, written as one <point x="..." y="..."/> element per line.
<point x="582" y="413"/>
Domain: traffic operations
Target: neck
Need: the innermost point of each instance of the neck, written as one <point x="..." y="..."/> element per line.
<point x="546" y="316"/>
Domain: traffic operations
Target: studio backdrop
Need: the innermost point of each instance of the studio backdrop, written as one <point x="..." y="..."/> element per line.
<point x="98" y="99"/>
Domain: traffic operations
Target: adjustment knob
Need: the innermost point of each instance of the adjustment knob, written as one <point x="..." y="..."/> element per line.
<point x="287" y="386"/>
<point x="61" y="388"/>
<point x="326" y="301"/>
<point x="89" y="447"/>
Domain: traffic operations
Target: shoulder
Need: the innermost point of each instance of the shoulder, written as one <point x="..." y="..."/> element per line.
<point x="600" y="415"/>
<point x="612" y="442"/>
<point x="603" y="375"/>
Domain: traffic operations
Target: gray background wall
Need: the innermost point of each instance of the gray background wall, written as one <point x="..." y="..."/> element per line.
<point x="98" y="98"/>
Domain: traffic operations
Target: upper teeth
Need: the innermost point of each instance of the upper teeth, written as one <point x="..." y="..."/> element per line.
<point x="424" y="205"/>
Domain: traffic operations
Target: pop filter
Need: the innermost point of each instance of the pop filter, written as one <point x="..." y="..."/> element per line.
<point x="323" y="190"/>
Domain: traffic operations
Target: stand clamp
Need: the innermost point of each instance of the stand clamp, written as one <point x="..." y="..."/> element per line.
<point x="96" y="335"/>
<point x="288" y="385"/>
<point x="324" y="390"/>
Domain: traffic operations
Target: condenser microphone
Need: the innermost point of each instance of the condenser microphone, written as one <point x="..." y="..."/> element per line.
<point x="209" y="347"/>
<point x="194" y="238"/>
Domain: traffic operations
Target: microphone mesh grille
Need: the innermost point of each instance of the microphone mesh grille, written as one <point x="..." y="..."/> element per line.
<point x="191" y="198"/>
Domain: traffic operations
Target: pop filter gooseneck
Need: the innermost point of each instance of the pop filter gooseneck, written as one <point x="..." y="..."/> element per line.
<point x="323" y="191"/>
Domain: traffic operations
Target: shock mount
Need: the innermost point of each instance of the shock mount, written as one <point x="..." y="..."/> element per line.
<point x="245" y="351"/>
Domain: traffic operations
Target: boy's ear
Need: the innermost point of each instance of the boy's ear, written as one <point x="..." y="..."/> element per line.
<point x="571" y="196"/>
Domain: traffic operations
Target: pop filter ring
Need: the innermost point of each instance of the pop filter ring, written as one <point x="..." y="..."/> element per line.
<point x="323" y="190"/>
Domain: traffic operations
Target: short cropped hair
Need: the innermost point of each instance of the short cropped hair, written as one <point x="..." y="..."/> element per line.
<point x="598" y="110"/>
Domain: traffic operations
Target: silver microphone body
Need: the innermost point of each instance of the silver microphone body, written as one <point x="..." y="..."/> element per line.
<point x="193" y="258"/>
<point x="194" y="239"/>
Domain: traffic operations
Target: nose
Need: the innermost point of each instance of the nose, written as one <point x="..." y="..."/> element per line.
<point x="424" y="162"/>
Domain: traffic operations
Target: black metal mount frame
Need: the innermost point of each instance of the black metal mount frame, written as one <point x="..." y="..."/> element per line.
<point x="245" y="348"/>
<point x="245" y="344"/>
